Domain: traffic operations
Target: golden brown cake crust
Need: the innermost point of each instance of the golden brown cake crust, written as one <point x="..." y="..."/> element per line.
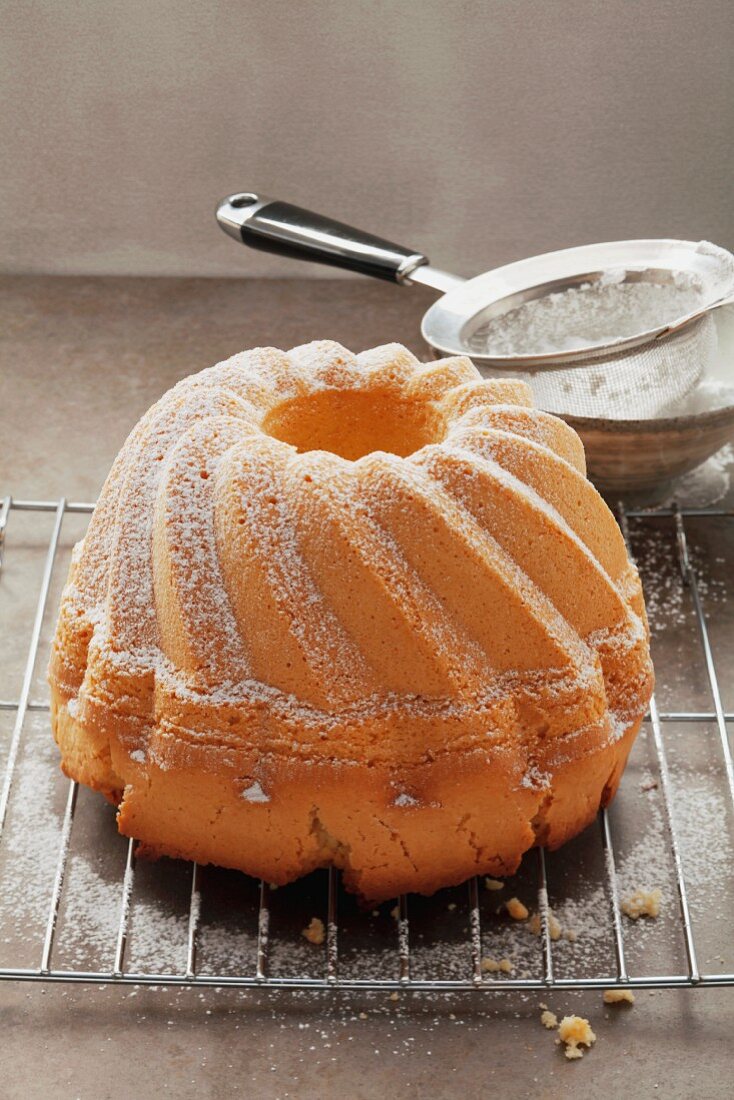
<point x="470" y="815"/>
<point x="411" y="666"/>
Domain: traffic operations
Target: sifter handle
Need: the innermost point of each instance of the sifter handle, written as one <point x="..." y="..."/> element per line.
<point x="274" y="226"/>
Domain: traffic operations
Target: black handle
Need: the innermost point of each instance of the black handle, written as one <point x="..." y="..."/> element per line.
<point x="274" y="226"/>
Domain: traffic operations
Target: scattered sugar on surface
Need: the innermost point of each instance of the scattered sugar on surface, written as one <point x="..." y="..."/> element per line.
<point x="666" y="598"/>
<point x="708" y="483"/>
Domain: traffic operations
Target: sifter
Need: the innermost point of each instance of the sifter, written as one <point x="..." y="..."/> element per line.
<point x="637" y="367"/>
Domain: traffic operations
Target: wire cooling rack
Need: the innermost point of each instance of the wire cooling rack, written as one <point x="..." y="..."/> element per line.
<point x="391" y="940"/>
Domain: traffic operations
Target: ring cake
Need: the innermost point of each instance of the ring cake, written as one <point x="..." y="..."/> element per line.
<point x="350" y="610"/>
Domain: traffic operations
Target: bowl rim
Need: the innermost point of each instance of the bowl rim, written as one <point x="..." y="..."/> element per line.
<point x="709" y="418"/>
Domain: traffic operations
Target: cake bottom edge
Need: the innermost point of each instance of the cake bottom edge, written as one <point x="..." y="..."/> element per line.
<point x="389" y="831"/>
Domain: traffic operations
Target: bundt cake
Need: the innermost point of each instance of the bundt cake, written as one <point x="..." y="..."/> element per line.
<point x="354" y="610"/>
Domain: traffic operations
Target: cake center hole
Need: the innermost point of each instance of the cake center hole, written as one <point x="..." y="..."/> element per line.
<point x="353" y="424"/>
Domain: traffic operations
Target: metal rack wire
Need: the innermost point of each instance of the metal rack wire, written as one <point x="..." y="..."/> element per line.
<point x="332" y="975"/>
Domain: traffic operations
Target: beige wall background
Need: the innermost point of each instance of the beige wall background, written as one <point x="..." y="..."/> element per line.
<point x="476" y="131"/>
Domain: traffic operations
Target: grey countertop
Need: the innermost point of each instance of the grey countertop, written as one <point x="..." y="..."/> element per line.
<point x="82" y="359"/>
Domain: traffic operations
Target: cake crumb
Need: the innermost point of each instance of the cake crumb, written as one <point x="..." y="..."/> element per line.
<point x="549" y="1019"/>
<point x="616" y="996"/>
<point x="493" y="884"/>
<point x="649" y="785"/>
<point x="643" y="903"/>
<point x="363" y="1015"/>
<point x="570" y="935"/>
<point x="575" y="1032"/>
<point x="494" y="966"/>
<point x="315" y="933"/>
<point x="516" y="909"/>
<point x="554" y="926"/>
<point x="393" y="996"/>
<point x="555" y="930"/>
<point x="451" y="906"/>
<point x="395" y="912"/>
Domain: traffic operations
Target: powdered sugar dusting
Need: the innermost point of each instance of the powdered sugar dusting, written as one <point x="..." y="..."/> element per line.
<point x="255" y="793"/>
<point x="174" y="522"/>
<point x="535" y="779"/>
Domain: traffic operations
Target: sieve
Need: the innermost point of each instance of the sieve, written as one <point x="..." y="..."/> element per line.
<point x="630" y="376"/>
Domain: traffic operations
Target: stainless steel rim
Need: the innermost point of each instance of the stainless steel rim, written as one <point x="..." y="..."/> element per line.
<point x="444" y="325"/>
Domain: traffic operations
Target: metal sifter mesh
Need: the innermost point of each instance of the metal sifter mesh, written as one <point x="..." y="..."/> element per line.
<point x="639" y="384"/>
<point x="580" y="331"/>
<point x="615" y="332"/>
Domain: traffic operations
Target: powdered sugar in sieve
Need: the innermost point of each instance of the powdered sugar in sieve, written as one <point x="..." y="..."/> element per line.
<point x="598" y="312"/>
<point x="643" y="382"/>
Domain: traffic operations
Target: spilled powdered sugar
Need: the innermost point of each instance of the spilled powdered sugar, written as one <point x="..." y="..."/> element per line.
<point x="708" y="484"/>
<point x="666" y="596"/>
